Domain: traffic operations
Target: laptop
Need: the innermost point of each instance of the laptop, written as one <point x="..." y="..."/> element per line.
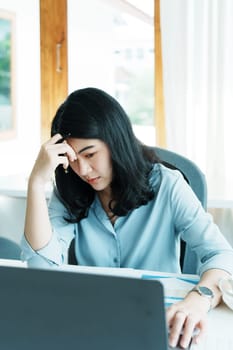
<point x="57" y="310"/>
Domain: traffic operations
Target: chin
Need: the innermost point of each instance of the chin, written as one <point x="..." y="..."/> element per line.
<point x="100" y="187"/>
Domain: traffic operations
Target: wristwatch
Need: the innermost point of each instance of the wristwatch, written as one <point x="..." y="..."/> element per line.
<point x="205" y="292"/>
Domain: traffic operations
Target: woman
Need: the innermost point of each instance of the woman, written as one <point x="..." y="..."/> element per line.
<point x="123" y="207"/>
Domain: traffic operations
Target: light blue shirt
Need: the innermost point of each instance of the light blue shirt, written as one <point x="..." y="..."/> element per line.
<point x="146" y="238"/>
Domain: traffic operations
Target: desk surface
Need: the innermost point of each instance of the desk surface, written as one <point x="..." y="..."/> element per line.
<point x="219" y="336"/>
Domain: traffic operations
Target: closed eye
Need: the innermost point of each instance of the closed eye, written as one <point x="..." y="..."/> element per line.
<point x="89" y="155"/>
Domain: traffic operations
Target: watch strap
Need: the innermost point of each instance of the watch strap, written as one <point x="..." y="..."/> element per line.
<point x="205" y="292"/>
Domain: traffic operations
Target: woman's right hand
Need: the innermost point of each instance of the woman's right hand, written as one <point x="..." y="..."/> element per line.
<point x="52" y="154"/>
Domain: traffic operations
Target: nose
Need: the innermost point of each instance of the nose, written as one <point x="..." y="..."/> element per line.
<point x="84" y="168"/>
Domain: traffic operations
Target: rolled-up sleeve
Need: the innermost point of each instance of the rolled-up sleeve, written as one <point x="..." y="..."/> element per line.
<point x="56" y="251"/>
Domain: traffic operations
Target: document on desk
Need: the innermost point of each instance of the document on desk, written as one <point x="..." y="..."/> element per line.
<point x="176" y="286"/>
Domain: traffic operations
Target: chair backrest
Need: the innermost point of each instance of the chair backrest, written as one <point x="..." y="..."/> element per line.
<point x="191" y="172"/>
<point x="9" y="249"/>
<point x="197" y="181"/>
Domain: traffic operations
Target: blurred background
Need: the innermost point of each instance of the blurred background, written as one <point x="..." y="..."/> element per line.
<point x="169" y="63"/>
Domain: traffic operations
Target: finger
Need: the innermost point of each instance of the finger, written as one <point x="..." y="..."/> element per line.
<point x="176" y="326"/>
<point x="63" y="149"/>
<point x="64" y="162"/>
<point x="55" y="138"/>
<point x="70" y="152"/>
<point x="170" y="313"/>
<point x="187" y="333"/>
<point x="202" y="331"/>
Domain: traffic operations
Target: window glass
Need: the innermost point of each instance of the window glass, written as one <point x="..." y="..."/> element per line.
<point x="112" y="47"/>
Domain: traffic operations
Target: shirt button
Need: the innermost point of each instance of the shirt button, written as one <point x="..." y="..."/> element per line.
<point x="115" y="260"/>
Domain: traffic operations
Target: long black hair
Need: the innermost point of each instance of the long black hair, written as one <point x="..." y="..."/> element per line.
<point x="92" y="113"/>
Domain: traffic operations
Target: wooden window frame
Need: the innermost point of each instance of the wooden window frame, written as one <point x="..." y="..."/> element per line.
<point x="54" y="66"/>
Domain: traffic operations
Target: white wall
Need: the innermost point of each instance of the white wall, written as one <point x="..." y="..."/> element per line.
<point x="17" y="154"/>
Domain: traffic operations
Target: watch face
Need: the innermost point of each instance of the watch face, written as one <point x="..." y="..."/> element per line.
<point x="206" y="291"/>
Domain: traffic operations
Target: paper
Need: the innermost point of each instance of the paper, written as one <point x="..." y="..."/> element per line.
<point x="175" y="286"/>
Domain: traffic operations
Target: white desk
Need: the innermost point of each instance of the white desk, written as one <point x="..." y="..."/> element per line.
<point x="12" y="262"/>
<point x="220" y="329"/>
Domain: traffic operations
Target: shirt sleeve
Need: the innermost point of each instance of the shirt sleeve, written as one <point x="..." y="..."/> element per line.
<point x="197" y="228"/>
<point x="56" y="251"/>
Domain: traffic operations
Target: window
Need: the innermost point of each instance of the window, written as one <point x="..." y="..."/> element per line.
<point x="111" y="46"/>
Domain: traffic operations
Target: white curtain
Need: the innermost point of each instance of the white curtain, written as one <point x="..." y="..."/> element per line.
<point x="197" y="47"/>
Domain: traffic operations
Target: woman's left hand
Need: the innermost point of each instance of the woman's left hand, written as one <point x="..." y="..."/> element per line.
<point x="187" y="320"/>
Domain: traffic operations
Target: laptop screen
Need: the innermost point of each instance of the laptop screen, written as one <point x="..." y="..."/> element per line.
<point x="52" y="309"/>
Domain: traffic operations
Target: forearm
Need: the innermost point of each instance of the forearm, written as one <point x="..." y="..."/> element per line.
<point x="37" y="228"/>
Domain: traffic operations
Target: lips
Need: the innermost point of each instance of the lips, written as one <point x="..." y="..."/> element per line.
<point x="93" y="180"/>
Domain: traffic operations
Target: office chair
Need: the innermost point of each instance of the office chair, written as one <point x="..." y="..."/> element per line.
<point x="191" y="172"/>
<point x="9" y="249"/>
<point x="196" y="179"/>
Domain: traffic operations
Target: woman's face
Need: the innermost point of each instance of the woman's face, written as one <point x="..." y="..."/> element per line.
<point x="93" y="164"/>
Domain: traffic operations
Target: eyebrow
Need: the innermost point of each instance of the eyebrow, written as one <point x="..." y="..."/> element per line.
<point x="85" y="148"/>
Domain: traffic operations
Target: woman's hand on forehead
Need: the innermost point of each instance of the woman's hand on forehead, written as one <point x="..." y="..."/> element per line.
<point x="54" y="152"/>
<point x="63" y="148"/>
